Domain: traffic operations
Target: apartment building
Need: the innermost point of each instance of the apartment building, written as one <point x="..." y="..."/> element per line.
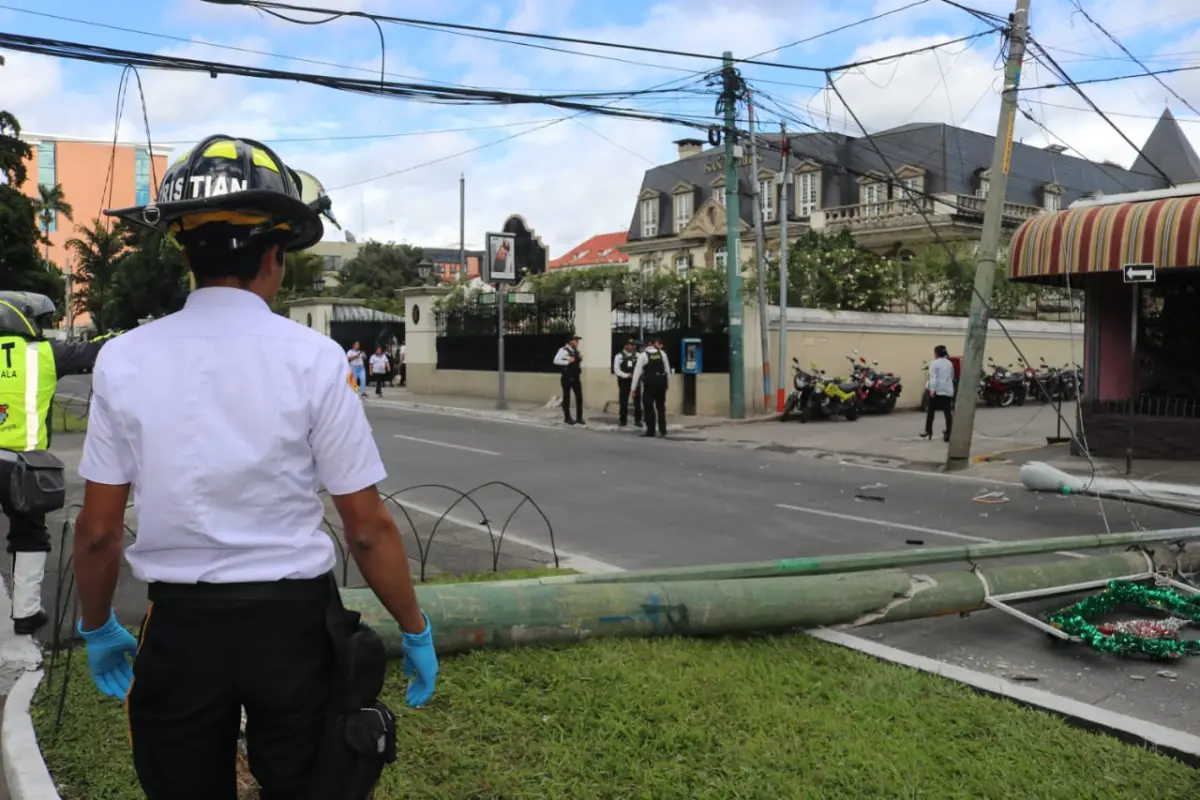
<point x="928" y="173"/>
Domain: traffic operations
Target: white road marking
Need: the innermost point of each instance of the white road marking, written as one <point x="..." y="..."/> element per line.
<point x="904" y="527"/>
<point x="447" y="444"/>
<point x="566" y="560"/>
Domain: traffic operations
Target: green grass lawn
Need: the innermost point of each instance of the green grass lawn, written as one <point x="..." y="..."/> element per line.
<point x="761" y="718"/>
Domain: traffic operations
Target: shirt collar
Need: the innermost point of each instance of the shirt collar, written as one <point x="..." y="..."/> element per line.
<point x="225" y="297"/>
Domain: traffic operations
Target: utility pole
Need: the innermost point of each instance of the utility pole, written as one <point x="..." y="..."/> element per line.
<point x="784" y="251"/>
<point x="759" y="258"/>
<point x="959" y="454"/>
<point x="730" y="90"/>
<point x="462" y="227"/>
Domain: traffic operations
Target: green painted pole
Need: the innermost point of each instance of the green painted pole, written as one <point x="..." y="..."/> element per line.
<point x="733" y="228"/>
<point x="477" y="616"/>
<point x="887" y="559"/>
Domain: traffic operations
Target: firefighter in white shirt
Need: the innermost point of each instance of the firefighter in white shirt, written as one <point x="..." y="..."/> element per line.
<point x="653" y="371"/>
<point x="623" y="365"/>
<point x="244" y="611"/>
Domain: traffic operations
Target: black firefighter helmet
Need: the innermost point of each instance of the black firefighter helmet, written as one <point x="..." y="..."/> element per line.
<point x="234" y="191"/>
<point x="25" y="314"/>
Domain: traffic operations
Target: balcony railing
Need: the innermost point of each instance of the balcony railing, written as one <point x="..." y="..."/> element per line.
<point x="906" y="211"/>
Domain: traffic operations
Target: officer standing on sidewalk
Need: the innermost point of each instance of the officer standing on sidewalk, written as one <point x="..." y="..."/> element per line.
<point x="30" y="365"/>
<point x="244" y="609"/>
<point x="653" y="371"/>
<point x="623" y="365"/>
<point x="570" y="361"/>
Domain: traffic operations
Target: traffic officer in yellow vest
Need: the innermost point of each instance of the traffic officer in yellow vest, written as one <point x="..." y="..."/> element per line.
<point x="30" y="367"/>
<point x="244" y="608"/>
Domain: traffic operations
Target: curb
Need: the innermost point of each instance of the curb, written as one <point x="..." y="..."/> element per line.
<point x="1182" y="746"/>
<point x="25" y="771"/>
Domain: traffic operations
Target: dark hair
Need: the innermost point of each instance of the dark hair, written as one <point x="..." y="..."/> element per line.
<point x="211" y="257"/>
<point x="940" y="351"/>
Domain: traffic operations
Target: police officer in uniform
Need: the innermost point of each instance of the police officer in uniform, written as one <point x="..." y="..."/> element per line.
<point x="653" y="370"/>
<point x="570" y="360"/>
<point x="30" y="367"/>
<point x="623" y="364"/>
<point x="244" y="612"/>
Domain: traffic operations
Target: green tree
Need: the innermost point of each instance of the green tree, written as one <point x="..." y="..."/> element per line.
<point x="149" y="278"/>
<point x="97" y="251"/>
<point x="380" y="269"/>
<point x="50" y="202"/>
<point x="830" y="271"/>
<point x="22" y="267"/>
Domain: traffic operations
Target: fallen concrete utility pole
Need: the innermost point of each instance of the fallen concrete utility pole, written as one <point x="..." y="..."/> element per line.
<point x="476" y="616"/>
<point x="860" y="562"/>
<point x="1041" y="477"/>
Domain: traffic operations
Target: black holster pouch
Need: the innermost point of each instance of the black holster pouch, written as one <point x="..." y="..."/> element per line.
<point x="38" y="483"/>
<point x="362" y="733"/>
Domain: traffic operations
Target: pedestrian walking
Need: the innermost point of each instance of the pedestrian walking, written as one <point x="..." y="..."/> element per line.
<point x="30" y="367"/>
<point x="653" y="370"/>
<point x="941" y="392"/>
<point x="378" y="367"/>
<point x="244" y="610"/>
<point x="403" y="365"/>
<point x="623" y="366"/>
<point x="570" y="360"/>
<point x="358" y="366"/>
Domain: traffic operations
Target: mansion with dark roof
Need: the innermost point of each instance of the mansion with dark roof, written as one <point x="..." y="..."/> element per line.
<point x="927" y="171"/>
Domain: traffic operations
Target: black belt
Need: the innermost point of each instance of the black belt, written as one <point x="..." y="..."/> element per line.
<point x="291" y="590"/>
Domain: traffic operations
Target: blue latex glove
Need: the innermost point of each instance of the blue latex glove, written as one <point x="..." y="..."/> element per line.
<point x="108" y="651"/>
<point x="420" y="664"/>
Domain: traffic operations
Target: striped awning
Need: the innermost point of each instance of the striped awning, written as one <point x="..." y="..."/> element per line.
<point x="1078" y="241"/>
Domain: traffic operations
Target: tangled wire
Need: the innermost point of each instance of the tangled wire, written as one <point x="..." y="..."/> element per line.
<point x="66" y="602"/>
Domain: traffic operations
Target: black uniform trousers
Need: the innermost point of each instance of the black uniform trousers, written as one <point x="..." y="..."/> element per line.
<point x="379" y="378"/>
<point x="654" y="406"/>
<point x="27" y="533"/>
<point x="570" y="382"/>
<point x="945" y="404"/>
<point x="625" y="390"/>
<point x="207" y="650"/>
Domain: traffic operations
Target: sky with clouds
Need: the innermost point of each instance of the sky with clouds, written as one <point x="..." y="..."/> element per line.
<point x="393" y="166"/>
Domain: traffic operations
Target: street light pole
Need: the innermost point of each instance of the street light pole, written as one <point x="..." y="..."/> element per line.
<point x="959" y="453"/>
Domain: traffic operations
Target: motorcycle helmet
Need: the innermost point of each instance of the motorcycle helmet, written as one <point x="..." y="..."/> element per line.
<point x="13" y="322"/>
<point x="232" y="192"/>
<point x="37" y="310"/>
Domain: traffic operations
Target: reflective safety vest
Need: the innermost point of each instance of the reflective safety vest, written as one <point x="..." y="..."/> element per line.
<point x="628" y="362"/>
<point x="28" y="379"/>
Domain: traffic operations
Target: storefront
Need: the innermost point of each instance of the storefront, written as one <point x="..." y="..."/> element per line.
<point x="1140" y="341"/>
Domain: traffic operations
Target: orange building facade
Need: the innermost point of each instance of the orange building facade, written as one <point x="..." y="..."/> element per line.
<point x="81" y="168"/>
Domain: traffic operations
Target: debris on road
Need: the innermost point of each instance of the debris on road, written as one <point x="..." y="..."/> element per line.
<point x="991" y="498"/>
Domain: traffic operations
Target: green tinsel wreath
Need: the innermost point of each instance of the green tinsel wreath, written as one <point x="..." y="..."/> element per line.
<point x="1075" y="620"/>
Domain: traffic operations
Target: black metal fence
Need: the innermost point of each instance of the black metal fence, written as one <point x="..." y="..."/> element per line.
<point x="674" y="321"/>
<point x="533" y="332"/>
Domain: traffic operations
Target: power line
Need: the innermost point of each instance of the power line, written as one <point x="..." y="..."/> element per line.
<point x="1053" y="65"/>
<point x="333" y="14"/>
<point x="1132" y="57"/>
<point x="376" y="136"/>
<point x="1110" y="79"/>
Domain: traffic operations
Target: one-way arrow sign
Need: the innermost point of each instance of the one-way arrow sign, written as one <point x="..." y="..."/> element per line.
<point x="1139" y="273"/>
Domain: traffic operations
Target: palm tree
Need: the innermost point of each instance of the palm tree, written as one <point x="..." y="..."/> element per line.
<point x="51" y="202"/>
<point x="96" y="252"/>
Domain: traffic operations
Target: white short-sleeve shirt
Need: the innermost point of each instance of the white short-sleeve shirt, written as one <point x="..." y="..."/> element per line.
<point x="227" y="418"/>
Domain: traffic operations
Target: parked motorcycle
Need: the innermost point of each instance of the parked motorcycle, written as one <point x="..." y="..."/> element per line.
<point x="1004" y="387"/>
<point x="878" y="391"/>
<point x="816" y="395"/>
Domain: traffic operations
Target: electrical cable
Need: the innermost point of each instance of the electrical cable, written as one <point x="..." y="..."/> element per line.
<point x="1054" y="66"/>
<point x="451" y="26"/>
<point x="1079" y="8"/>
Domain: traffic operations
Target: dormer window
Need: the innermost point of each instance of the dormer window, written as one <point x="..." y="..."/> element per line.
<point x="1052" y="196"/>
<point x="984" y="183"/>
<point x="718" y="190"/>
<point x="684" y="196"/>
<point x="910" y="185"/>
<point x="766" y="194"/>
<point x="649" y="213"/>
<point x="872" y="193"/>
<point x="808" y="189"/>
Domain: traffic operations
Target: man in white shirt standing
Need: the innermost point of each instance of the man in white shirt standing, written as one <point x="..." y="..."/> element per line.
<point x="623" y="365"/>
<point x="941" y="392"/>
<point x="244" y="611"/>
<point x="358" y="366"/>
<point x="403" y="364"/>
<point x="378" y="367"/>
<point x="570" y="361"/>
